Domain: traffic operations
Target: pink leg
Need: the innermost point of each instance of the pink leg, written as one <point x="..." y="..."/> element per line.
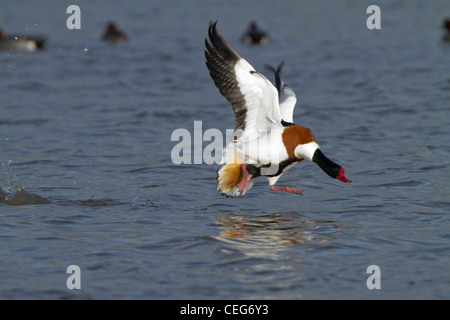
<point x="247" y="177"/>
<point x="286" y="189"/>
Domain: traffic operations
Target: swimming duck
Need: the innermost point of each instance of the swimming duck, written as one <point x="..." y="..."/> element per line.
<point x="254" y="35"/>
<point x="20" y="42"/>
<point x="446" y="26"/>
<point x="113" y="34"/>
<point x="265" y="142"/>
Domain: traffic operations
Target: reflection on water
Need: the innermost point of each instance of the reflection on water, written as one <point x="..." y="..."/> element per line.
<point x="277" y="230"/>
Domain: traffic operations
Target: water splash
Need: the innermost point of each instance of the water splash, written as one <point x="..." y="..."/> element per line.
<point x="13" y="193"/>
<point x="10" y="177"/>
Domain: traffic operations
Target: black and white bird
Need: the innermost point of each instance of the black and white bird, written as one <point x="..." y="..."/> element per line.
<point x="266" y="141"/>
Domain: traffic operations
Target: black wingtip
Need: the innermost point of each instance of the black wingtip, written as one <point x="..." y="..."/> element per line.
<point x="212" y="28"/>
<point x="280" y="66"/>
<point x="277" y="73"/>
<point x="212" y="35"/>
<point x="219" y="45"/>
<point x="211" y="32"/>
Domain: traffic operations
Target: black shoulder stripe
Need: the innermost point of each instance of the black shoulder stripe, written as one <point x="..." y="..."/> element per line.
<point x="285" y="123"/>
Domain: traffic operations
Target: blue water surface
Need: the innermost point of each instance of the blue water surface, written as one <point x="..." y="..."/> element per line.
<point x="88" y="179"/>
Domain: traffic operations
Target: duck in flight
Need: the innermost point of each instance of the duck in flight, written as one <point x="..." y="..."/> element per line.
<point x="265" y="142"/>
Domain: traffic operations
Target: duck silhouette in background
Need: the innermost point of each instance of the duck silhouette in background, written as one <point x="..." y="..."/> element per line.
<point x="446" y="26"/>
<point x="113" y="34"/>
<point x="254" y="35"/>
<point x="21" y="42"/>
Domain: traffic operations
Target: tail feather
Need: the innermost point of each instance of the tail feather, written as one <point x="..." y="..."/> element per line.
<point x="229" y="176"/>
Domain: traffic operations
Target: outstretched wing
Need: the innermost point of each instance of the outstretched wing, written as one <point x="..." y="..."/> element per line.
<point x="254" y="99"/>
<point x="287" y="96"/>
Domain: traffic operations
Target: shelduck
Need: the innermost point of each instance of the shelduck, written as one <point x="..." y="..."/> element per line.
<point x="266" y="142"/>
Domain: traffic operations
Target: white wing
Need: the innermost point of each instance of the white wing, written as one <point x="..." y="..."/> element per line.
<point x="254" y="99"/>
